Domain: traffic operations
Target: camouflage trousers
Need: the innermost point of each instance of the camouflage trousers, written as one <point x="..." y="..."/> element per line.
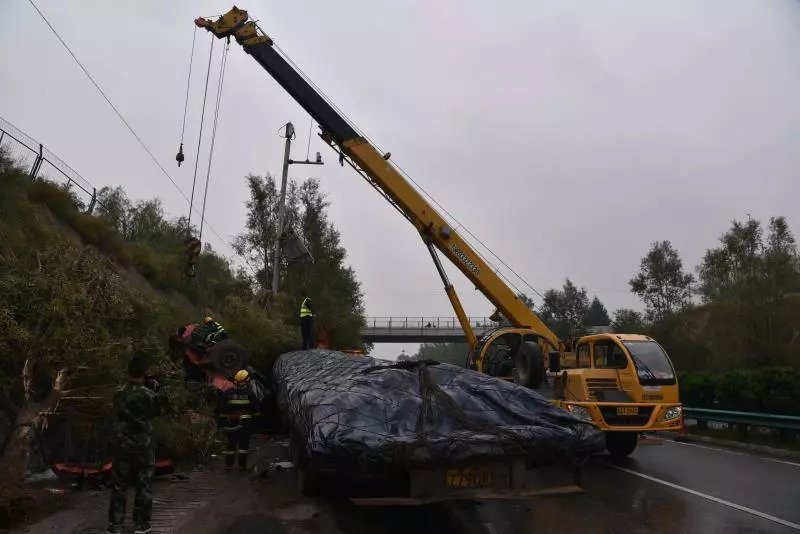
<point x="136" y="469"/>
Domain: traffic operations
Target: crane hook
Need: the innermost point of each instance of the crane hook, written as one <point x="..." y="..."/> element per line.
<point x="179" y="157"/>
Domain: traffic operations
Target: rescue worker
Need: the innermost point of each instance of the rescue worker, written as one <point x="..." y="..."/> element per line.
<point x="238" y="410"/>
<point x="213" y="332"/>
<point x="307" y="323"/>
<point x="134" y="448"/>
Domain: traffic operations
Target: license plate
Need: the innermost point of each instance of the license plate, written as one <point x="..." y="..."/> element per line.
<point x="469" y="477"/>
<point x="627" y="410"/>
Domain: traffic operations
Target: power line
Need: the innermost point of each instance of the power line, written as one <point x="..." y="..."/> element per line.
<point x="127" y="124"/>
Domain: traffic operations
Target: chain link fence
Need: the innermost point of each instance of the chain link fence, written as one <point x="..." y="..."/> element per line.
<point x="31" y="156"/>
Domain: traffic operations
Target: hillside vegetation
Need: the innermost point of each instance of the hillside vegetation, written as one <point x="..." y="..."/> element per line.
<point x="84" y="292"/>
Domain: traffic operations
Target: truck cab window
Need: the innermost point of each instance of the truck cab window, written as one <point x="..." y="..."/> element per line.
<point x="609" y="355"/>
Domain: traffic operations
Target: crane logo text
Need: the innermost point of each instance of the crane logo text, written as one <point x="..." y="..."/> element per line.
<point x="464" y="259"/>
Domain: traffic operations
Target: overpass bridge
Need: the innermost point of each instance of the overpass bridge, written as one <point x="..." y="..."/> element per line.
<point x="421" y="329"/>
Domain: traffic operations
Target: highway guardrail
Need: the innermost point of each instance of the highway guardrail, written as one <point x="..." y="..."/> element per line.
<point x="787" y="422"/>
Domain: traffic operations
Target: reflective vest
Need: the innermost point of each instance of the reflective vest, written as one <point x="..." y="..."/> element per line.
<point x="305" y="311"/>
<point x="214" y="331"/>
<point x="239" y="405"/>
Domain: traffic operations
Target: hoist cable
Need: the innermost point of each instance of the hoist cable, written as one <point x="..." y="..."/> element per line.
<point x="199" y="138"/>
<point x="214" y="133"/>
<point x="133" y="132"/>
<point x="188" y="80"/>
<point x="310" y="127"/>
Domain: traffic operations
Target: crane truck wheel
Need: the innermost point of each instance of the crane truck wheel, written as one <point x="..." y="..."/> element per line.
<point x="621" y="444"/>
<point x="227" y="356"/>
<point x="529" y="365"/>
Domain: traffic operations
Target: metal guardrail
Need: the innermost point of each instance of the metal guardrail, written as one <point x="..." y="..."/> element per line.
<point x="786" y="422"/>
<point x="418" y="323"/>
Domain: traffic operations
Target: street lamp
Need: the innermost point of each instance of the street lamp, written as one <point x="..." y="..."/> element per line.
<point x="289" y="135"/>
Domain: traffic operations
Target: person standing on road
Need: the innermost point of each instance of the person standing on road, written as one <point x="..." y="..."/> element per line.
<point x="307" y="323"/>
<point x="136" y="405"/>
<point x="238" y="409"/>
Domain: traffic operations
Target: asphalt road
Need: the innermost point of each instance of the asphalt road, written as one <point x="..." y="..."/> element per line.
<point x="671" y="488"/>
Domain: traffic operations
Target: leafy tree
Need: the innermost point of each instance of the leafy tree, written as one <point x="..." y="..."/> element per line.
<point x="114" y="206"/>
<point x="628" y="321"/>
<point x="565" y="310"/>
<point x="661" y="282"/>
<point x="331" y="284"/>
<point x="748" y="278"/>
<point x="597" y="314"/>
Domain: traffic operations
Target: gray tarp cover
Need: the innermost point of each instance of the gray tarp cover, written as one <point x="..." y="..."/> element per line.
<point x="363" y="413"/>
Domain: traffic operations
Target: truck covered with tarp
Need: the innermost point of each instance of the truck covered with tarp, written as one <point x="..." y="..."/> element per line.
<point x="414" y="432"/>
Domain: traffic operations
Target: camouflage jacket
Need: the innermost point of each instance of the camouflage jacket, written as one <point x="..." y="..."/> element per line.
<point x="135" y="407"/>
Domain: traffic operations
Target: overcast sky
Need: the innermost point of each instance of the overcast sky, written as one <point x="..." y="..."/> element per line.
<point x="568" y="135"/>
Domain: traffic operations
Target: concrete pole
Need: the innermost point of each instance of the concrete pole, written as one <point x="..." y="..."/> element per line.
<point x="276" y="271"/>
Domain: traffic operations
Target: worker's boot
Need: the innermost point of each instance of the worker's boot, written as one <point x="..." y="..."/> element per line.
<point x="229" y="456"/>
<point x="242" y="461"/>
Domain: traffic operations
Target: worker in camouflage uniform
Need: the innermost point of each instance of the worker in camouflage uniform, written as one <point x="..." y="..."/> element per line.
<point x="136" y="405"/>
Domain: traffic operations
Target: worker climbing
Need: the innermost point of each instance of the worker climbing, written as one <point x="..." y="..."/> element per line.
<point x="212" y="332"/>
<point x="239" y="407"/>
<point x="307" y="323"/>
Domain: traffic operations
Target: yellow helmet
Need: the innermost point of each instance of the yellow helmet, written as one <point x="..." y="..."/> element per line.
<point x="241" y="376"/>
<point x="208" y="319"/>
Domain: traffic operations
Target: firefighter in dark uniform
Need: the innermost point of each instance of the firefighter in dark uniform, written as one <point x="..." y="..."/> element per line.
<point x="136" y="405"/>
<point x="307" y="323"/>
<point x="213" y="332"/>
<point x="238" y="409"/>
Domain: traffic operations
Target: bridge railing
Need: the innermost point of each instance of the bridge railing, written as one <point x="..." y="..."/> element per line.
<point x="421" y="323"/>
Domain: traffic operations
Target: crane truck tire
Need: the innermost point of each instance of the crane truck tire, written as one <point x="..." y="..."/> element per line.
<point x="621" y="444"/>
<point x="529" y="365"/>
<point x="227" y="356"/>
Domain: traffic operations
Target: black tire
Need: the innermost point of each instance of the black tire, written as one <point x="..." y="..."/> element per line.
<point x="227" y="356"/>
<point x="621" y="444"/>
<point x="529" y="365"/>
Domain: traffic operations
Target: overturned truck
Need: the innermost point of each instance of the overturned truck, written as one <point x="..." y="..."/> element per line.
<point x="420" y="432"/>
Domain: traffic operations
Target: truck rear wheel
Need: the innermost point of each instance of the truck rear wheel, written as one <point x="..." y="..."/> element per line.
<point x="529" y="365"/>
<point x="227" y="356"/>
<point x="621" y="444"/>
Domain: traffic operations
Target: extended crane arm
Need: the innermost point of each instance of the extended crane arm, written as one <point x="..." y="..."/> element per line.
<point x="380" y="173"/>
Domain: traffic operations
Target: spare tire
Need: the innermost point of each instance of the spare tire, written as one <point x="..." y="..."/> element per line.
<point x="529" y="365"/>
<point x="227" y="356"/>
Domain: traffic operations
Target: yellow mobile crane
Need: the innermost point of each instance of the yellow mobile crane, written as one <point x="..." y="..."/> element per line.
<point x="624" y="383"/>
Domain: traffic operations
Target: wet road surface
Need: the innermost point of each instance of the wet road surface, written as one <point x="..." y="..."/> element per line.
<point x="671" y="488"/>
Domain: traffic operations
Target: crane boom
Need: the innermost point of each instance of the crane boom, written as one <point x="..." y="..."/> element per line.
<point x="376" y="168"/>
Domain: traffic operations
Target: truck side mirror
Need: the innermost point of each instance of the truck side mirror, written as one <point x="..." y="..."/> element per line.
<point x="555" y="361"/>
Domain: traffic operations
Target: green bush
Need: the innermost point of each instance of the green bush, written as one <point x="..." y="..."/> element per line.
<point x="264" y="338"/>
<point x="769" y="390"/>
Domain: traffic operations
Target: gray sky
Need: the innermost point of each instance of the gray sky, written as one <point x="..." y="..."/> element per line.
<point x="566" y="134"/>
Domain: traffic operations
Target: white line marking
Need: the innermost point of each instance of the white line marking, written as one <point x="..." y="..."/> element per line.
<point x="735" y="506"/>
<point x="738" y="453"/>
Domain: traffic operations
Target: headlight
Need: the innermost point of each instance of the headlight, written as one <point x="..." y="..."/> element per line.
<point x="672" y="413"/>
<point x="580" y="412"/>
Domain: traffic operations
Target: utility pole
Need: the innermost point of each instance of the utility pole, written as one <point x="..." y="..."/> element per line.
<point x="289" y="135"/>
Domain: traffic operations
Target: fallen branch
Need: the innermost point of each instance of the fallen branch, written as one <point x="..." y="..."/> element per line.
<point x="14" y="464"/>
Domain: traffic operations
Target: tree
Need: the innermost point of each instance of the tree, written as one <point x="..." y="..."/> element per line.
<point x="627" y="321"/>
<point x="565" y="310"/>
<point x="114" y="206"/>
<point x="597" y="314"/>
<point x="749" y="268"/>
<point x="332" y="285"/>
<point x="661" y="282"/>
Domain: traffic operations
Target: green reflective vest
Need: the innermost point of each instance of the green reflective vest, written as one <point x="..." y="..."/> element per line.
<point x="305" y="311"/>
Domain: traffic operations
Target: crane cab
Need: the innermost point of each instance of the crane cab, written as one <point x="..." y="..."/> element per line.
<point x="623" y="383"/>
